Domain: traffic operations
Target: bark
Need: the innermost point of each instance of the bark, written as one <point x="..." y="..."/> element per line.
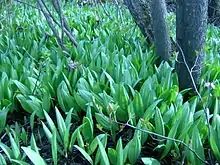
<point x="160" y="29"/>
<point x="150" y="16"/>
<point x="140" y="10"/>
<point x="191" y="20"/>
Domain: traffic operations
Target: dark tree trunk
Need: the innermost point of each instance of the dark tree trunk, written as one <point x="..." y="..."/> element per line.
<point x="150" y="16"/>
<point x="160" y="29"/>
<point x="191" y="19"/>
<point x="140" y="10"/>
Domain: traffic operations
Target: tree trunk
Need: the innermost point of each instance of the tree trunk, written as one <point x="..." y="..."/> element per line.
<point x="140" y="10"/>
<point x="160" y="29"/>
<point x="191" y="19"/>
<point x="150" y="16"/>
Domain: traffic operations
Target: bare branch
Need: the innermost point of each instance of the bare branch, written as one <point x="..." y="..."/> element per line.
<point x="66" y="28"/>
<point x="50" y="23"/>
<point x="67" y="31"/>
<point x="195" y="87"/>
<point x="161" y="136"/>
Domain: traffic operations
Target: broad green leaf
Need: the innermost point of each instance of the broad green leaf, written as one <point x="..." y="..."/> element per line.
<point x="68" y="118"/>
<point x="60" y="122"/>
<point x="105" y="122"/>
<point x="32" y="120"/>
<point x="169" y="143"/>
<point x="87" y="129"/>
<point x="54" y="148"/>
<point x="94" y="143"/>
<point x="47" y="132"/>
<point x="23" y="89"/>
<point x="80" y="140"/>
<point x="85" y="154"/>
<point x="151" y="110"/>
<point x="197" y="146"/>
<point x="15" y="148"/>
<point x="138" y="105"/>
<point x="112" y="154"/>
<point x="159" y="124"/>
<point x="150" y="161"/>
<point x="3" y="118"/>
<point x="33" y="144"/>
<point x="119" y="150"/>
<point x="23" y="100"/>
<point x="2" y="160"/>
<point x="19" y="162"/>
<point x="104" y="156"/>
<point x="35" y="158"/>
<point x="134" y="149"/>
<point x="7" y="150"/>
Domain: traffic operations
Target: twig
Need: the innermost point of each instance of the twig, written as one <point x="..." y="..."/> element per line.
<point x="195" y="64"/>
<point x="66" y="29"/>
<point x="58" y="9"/>
<point x="194" y="85"/>
<point x="50" y="23"/>
<point x="158" y="135"/>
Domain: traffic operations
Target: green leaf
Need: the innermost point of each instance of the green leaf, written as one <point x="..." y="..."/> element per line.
<point x="87" y="129"/>
<point x="32" y="120"/>
<point x="85" y="154"/>
<point x="60" y="122"/>
<point x="47" y="132"/>
<point x="15" y="148"/>
<point x="134" y="149"/>
<point x="104" y="156"/>
<point x="2" y="160"/>
<point x="23" y="89"/>
<point x="35" y="158"/>
<point x="151" y="110"/>
<point x="19" y="162"/>
<point x="214" y="142"/>
<point x="169" y="143"/>
<point x="197" y="146"/>
<point x="79" y="100"/>
<point x="74" y="137"/>
<point x="7" y="151"/>
<point x="159" y="124"/>
<point x="80" y="139"/>
<point x="94" y="143"/>
<point x="68" y="118"/>
<point x="105" y="122"/>
<point x="112" y="154"/>
<point x="23" y="100"/>
<point x="138" y="105"/>
<point x="54" y="148"/>
<point x="33" y="144"/>
<point x="150" y="161"/>
<point x="66" y="140"/>
<point x="3" y="118"/>
<point x="120" y="155"/>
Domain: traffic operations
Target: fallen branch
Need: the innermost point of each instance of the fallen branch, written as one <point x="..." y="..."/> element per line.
<point x="161" y="136"/>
